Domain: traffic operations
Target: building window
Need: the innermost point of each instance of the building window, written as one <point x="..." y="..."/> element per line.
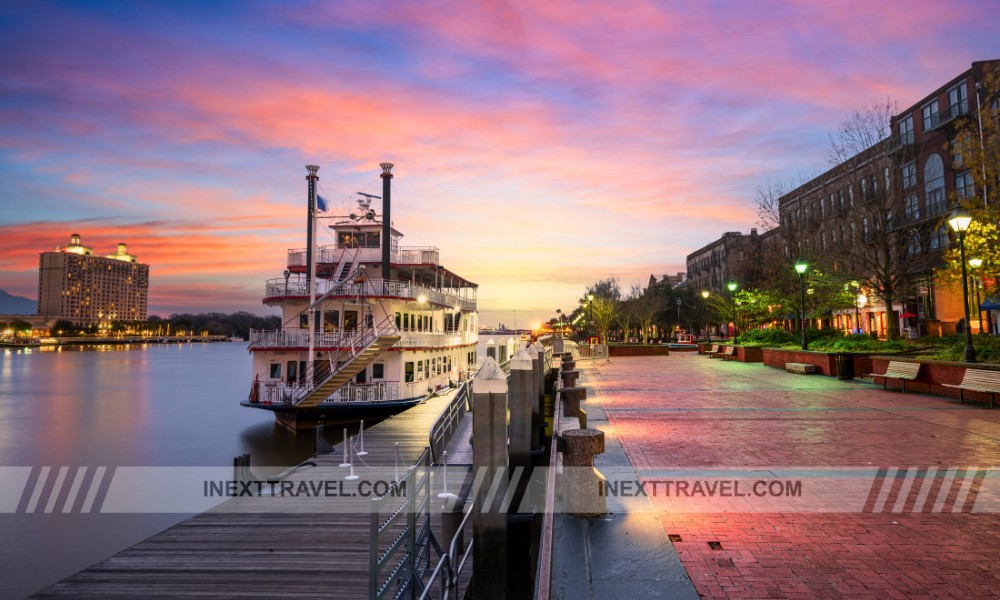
<point x="910" y="207"/>
<point x="964" y="187"/>
<point x="930" y="113"/>
<point x="958" y="100"/>
<point x="913" y="248"/>
<point x="909" y="175"/>
<point x="864" y="229"/>
<point x="934" y="185"/>
<point x="906" y="130"/>
<point x="939" y="238"/>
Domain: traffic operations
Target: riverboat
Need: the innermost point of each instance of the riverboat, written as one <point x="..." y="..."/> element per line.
<point x="369" y="327"/>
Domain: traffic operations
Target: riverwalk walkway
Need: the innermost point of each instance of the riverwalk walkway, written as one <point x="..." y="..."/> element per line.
<point x="769" y="484"/>
<point x="302" y="547"/>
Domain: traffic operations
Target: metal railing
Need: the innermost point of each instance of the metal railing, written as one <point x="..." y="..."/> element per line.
<point x="447" y="422"/>
<point x="399" y="554"/>
<point x="279" y="392"/>
<point x="436" y="338"/>
<point x="279" y="288"/>
<point x="446" y="571"/>
<point x="543" y="578"/>
<point x="404" y="255"/>
<point x="357" y="342"/>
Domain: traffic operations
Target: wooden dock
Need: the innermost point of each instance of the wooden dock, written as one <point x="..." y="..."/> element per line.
<point x="267" y="548"/>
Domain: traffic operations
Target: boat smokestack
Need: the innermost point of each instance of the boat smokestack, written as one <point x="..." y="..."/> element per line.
<point x="312" y="178"/>
<point x="386" y="217"/>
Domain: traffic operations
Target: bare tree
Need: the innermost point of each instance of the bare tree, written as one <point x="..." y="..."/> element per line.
<point x="647" y="305"/>
<point x="882" y="231"/>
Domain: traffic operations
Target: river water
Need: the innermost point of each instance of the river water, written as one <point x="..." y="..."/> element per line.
<point x="139" y="405"/>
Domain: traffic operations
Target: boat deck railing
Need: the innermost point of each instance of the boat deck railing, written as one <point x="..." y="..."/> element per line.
<point x="403" y="255"/>
<point x="280" y="392"/>
<point x="299" y="338"/>
<point x="280" y="288"/>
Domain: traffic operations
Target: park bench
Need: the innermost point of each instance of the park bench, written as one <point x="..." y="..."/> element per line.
<point x="728" y="353"/>
<point x="800" y="368"/>
<point x="714" y="350"/>
<point x="978" y="380"/>
<point x="903" y="371"/>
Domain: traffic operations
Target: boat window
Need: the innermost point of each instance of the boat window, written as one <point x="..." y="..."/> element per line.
<point x="331" y="321"/>
<point x="304" y="321"/>
<point x="369" y="320"/>
<point x="406" y="321"/>
<point x="427" y="366"/>
<point x="275" y="370"/>
<point x="409" y="372"/>
<point x="378" y="371"/>
<point x="399" y="322"/>
<point x="420" y="370"/>
<point x="360" y="239"/>
<point x="291" y="372"/>
<point x="350" y="319"/>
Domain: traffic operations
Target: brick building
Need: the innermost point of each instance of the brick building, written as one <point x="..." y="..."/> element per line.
<point x="887" y="198"/>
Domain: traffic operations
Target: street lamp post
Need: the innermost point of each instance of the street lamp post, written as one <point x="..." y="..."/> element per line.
<point x="800" y="267"/>
<point x="708" y="325"/>
<point x="959" y="222"/>
<point x="678" y="316"/>
<point x="732" y="296"/>
<point x="975" y="263"/>
<point x="857" y="307"/>
<point x="590" y="303"/>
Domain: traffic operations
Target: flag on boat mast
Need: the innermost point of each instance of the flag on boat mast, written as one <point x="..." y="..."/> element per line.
<point x="321" y="203"/>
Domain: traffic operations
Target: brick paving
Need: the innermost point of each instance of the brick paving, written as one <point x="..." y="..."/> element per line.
<point x="912" y="537"/>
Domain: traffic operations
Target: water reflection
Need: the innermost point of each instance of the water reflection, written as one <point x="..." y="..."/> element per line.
<point x="123" y="405"/>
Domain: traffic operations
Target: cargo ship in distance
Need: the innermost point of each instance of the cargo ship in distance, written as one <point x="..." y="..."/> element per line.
<point x="369" y="327"/>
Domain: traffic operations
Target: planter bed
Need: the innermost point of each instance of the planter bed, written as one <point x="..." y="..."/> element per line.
<point x="825" y="362"/>
<point x="639" y="350"/>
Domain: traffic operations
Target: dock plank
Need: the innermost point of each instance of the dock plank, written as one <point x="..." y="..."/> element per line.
<point x="279" y="553"/>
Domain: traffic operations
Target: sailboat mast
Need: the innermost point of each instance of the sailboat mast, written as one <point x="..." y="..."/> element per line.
<point x="310" y="262"/>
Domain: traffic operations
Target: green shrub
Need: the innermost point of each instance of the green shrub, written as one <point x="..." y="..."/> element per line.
<point x="952" y="347"/>
<point x="770" y="337"/>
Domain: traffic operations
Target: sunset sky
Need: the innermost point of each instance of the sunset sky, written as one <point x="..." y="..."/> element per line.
<point x="541" y="146"/>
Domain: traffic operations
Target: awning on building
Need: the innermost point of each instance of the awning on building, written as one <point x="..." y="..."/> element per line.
<point x="990" y="304"/>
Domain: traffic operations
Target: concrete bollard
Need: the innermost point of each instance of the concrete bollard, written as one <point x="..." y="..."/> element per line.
<point x="490" y="427"/>
<point x="568" y="364"/>
<point x="583" y="485"/>
<point x="571" y="399"/>
<point x="569" y="378"/>
<point x="522" y="400"/>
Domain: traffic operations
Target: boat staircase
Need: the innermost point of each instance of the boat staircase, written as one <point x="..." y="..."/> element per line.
<point x="333" y="372"/>
<point x="346" y="267"/>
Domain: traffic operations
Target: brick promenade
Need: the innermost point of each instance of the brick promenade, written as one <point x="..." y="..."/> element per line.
<point x="909" y="534"/>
